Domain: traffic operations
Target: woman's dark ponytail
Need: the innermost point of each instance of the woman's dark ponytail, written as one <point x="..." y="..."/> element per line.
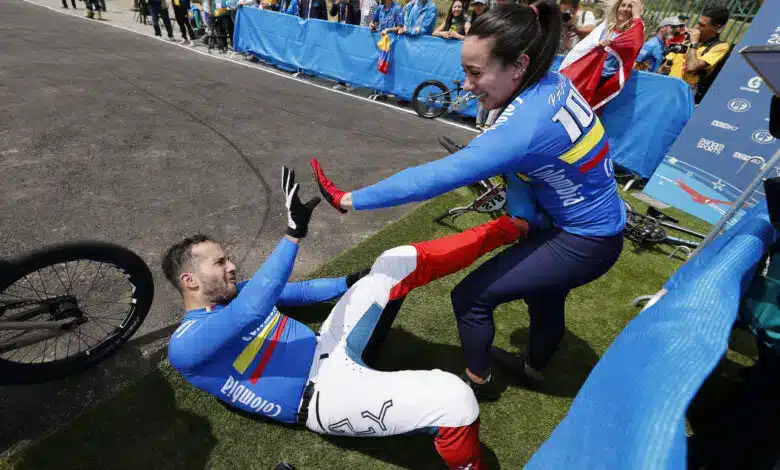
<point x="533" y="30"/>
<point x="542" y="53"/>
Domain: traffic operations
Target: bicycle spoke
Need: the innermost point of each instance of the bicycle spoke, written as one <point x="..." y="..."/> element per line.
<point x="45" y="344"/>
<point x="60" y="279"/>
<point x="99" y="325"/>
<point x="75" y="271"/>
<point x="107" y="323"/>
<point x="109" y="303"/>
<point x="32" y="287"/>
<point x="67" y="352"/>
<point x="89" y="291"/>
<point x="43" y="284"/>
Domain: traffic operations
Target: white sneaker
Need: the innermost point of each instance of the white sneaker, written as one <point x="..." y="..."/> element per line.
<point x="339" y="87"/>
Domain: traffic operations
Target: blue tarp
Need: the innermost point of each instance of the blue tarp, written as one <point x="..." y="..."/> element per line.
<point x="630" y="413"/>
<point x="642" y="122"/>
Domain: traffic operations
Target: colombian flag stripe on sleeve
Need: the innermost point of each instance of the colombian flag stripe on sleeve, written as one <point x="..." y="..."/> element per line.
<point x="268" y="351"/>
<point x="589" y="164"/>
<point x="248" y="354"/>
<point x="585" y="145"/>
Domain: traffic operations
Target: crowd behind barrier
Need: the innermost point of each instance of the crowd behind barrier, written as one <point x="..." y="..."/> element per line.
<point x="641" y="122"/>
<point x="630" y="413"/>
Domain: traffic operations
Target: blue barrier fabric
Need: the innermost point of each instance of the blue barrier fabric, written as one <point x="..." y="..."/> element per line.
<point x="630" y="413"/>
<point x="642" y="122"/>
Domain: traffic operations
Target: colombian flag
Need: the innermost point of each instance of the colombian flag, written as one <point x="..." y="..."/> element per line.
<point x="384" y="54"/>
<point x="584" y="63"/>
<point x="262" y="345"/>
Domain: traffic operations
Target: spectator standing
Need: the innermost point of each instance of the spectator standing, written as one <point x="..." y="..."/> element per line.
<point x="289" y="7"/>
<point x="652" y="52"/>
<point x="344" y="12"/>
<point x="479" y="8"/>
<point x="695" y="61"/>
<point x="65" y="4"/>
<point x="421" y="18"/>
<point x="219" y="11"/>
<point x="679" y="35"/>
<point x="620" y="17"/>
<point x="312" y="9"/>
<point x="387" y="18"/>
<point x="181" y="10"/>
<point x="367" y="9"/>
<point x="159" y="9"/>
<point x="579" y="23"/>
<point x="454" y="26"/>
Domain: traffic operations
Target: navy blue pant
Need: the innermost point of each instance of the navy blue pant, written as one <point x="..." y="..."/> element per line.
<point x="541" y="270"/>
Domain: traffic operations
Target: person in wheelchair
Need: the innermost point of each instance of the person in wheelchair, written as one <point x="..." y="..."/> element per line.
<point x="235" y="344"/>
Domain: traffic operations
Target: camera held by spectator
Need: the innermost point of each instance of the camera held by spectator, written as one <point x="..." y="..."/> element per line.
<point x="698" y="59"/>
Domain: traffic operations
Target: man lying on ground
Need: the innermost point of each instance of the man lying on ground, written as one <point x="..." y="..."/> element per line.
<point x="234" y="344"/>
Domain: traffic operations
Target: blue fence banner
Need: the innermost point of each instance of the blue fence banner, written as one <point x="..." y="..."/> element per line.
<point x="642" y="122"/>
<point x="630" y="412"/>
<point x="726" y="143"/>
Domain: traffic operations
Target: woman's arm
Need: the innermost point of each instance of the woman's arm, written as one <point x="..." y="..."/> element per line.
<point x="439" y="31"/>
<point x="490" y="154"/>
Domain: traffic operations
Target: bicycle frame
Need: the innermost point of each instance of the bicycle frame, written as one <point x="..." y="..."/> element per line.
<point x="17" y="322"/>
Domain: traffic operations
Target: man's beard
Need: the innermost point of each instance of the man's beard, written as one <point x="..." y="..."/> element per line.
<point x="220" y="293"/>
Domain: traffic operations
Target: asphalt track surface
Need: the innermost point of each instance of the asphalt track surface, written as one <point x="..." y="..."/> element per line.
<point x="110" y="135"/>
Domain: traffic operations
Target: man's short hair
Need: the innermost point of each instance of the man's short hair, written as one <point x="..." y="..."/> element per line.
<point x="718" y="15"/>
<point x="179" y="256"/>
<point x="574" y="3"/>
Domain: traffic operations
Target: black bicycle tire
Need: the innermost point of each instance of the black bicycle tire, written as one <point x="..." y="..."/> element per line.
<point x="137" y="272"/>
<point x="416" y="104"/>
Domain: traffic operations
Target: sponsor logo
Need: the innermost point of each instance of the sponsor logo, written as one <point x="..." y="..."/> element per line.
<point x="235" y="391"/>
<point x="257" y="330"/>
<point x="753" y="85"/>
<point x="739" y="105"/>
<point x="568" y="192"/>
<point x="724" y="125"/>
<point x="710" y="146"/>
<point x="750" y="158"/>
<point x="763" y="137"/>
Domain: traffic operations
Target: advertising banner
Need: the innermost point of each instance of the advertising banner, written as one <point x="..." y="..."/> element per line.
<point x="726" y="143"/>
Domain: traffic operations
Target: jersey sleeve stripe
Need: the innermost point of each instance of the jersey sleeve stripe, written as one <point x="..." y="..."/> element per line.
<point x="585" y="145"/>
<point x="589" y="164"/>
<point x="269" y="351"/>
<point x="248" y="354"/>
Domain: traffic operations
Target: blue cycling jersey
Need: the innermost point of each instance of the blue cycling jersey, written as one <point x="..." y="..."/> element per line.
<point x="247" y="353"/>
<point x="551" y="139"/>
<point x="652" y="52"/>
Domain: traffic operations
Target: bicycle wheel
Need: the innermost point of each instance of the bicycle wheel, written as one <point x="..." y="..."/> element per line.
<point x="72" y="304"/>
<point x="431" y="99"/>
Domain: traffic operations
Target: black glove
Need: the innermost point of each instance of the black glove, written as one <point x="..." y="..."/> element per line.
<point x="355" y="277"/>
<point x="298" y="214"/>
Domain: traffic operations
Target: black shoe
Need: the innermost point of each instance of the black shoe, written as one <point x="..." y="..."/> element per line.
<point x="516" y="365"/>
<point x="487" y="391"/>
<point x="284" y="466"/>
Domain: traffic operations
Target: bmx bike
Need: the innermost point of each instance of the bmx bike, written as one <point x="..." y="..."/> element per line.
<point x="653" y="228"/>
<point x="432" y="98"/>
<point x="68" y="306"/>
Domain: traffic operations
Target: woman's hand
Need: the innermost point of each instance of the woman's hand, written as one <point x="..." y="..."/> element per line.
<point x="605" y="43"/>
